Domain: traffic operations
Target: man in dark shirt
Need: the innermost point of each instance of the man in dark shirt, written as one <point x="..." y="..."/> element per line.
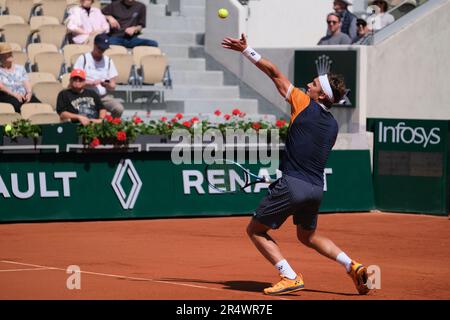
<point x="348" y="25"/>
<point x="78" y="103"/>
<point x="127" y="19"/>
<point x="311" y="136"/>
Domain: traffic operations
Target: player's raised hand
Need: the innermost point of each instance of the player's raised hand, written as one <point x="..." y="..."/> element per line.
<point x="235" y="44"/>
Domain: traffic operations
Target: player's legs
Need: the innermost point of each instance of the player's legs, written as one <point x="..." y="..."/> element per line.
<point x="273" y="210"/>
<point x="321" y="244"/>
<point x="290" y="281"/>
<point x="258" y="233"/>
<point x="327" y="248"/>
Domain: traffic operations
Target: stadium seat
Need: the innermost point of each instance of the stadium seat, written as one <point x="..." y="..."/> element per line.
<point x="28" y="109"/>
<point x="114" y="49"/>
<point x="8" y="114"/>
<point x="20" y="58"/>
<point x="53" y="8"/>
<point x="140" y="51"/>
<point x="8" y="19"/>
<point x="16" y="32"/>
<point x="65" y="79"/>
<point x="52" y="33"/>
<point x="153" y="68"/>
<point x="45" y="118"/>
<point x="51" y="62"/>
<point x="125" y="68"/>
<point x="15" y="46"/>
<point x="21" y="8"/>
<point x="2" y="7"/>
<point x="37" y="21"/>
<point x="72" y="52"/>
<point x="35" y="48"/>
<point x="37" y="77"/>
<point x="47" y="92"/>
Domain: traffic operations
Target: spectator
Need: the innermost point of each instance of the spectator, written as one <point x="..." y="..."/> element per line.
<point x="362" y="30"/>
<point x="334" y="35"/>
<point x="84" y="22"/>
<point x="15" y="88"/>
<point x="78" y="103"/>
<point x="348" y="19"/>
<point x="101" y="74"/>
<point x="127" y="19"/>
<point x="381" y="19"/>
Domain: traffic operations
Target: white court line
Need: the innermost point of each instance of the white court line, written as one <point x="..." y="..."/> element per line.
<point x="124" y="277"/>
<point x="34" y="269"/>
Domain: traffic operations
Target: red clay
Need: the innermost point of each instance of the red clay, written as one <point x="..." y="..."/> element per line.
<point x="212" y="258"/>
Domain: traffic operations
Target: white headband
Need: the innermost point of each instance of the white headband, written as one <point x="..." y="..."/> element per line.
<point x="326" y="87"/>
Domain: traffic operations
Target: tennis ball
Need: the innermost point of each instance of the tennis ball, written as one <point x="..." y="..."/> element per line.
<point x="8" y="128"/>
<point x="222" y="13"/>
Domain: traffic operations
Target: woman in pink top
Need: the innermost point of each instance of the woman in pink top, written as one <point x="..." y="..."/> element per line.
<point x="85" y="21"/>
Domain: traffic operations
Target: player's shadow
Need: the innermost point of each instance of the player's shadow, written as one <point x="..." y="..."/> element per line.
<point x="239" y="285"/>
<point x="250" y="286"/>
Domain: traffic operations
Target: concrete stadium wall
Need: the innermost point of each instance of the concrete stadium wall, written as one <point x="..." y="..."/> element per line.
<point x="270" y="23"/>
<point x="408" y="69"/>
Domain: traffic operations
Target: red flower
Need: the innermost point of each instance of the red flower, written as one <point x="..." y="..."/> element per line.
<point x="116" y="121"/>
<point x="243" y="114"/>
<point x="174" y="120"/>
<point x="280" y="123"/>
<point x="195" y="119"/>
<point x="236" y="112"/>
<point x="108" y="118"/>
<point x="163" y="119"/>
<point x="187" y="124"/>
<point x="95" y="142"/>
<point x="179" y="116"/>
<point x="256" y="125"/>
<point x="227" y="117"/>
<point x="217" y="112"/>
<point x="121" y="136"/>
<point x="137" y="120"/>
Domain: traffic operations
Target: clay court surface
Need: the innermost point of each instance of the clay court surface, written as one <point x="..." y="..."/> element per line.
<point x="212" y="258"/>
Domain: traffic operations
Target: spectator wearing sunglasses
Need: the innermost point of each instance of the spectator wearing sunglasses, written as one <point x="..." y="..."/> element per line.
<point x="348" y="19"/>
<point x="334" y="35"/>
<point x="362" y="31"/>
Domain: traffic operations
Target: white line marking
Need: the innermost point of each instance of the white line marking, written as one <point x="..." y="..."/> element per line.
<point x="34" y="269"/>
<point x="125" y="277"/>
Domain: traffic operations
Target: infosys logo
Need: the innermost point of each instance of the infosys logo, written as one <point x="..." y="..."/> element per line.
<point x="408" y="135"/>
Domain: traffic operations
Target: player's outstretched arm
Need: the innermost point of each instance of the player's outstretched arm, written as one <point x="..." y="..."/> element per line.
<point x="280" y="80"/>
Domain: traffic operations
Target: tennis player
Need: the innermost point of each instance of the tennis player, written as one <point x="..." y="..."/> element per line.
<point x="312" y="134"/>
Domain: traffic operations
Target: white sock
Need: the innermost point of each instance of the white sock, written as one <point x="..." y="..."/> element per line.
<point x="343" y="259"/>
<point x="285" y="269"/>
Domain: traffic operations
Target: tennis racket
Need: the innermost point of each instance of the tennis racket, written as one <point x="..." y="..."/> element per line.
<point x="226" y="176"/>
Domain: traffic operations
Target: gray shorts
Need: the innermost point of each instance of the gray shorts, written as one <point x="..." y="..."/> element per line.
<point x="290" y="196"/>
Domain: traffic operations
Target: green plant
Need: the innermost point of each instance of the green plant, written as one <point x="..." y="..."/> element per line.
<point x="110" y="131"/>
<point x="22" y="128"/>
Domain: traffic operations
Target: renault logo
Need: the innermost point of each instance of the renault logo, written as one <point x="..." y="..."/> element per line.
<point x="127" y="201"/>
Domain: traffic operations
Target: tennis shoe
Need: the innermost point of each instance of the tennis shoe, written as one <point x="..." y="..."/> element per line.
<point x="286" y="285"/>
<point x="358" y="273"/>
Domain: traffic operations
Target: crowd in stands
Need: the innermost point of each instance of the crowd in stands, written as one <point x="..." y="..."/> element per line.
<point x="91" y="74"/>
<point x="344" y="28"/>
<point x="84" y="94"/>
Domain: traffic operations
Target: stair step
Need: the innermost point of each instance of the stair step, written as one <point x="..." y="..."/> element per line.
<point x="204" y="78"/>
<point x="188" y="64"/>
<point x="155" y="10"/>
<point x="176" y="23"/>
<point x="209" y="105"/>
<point x="194" y="92"/>
<point x="175" y="51"/>
<point x="193" y="11"/>
<point x="171" y="37"/>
